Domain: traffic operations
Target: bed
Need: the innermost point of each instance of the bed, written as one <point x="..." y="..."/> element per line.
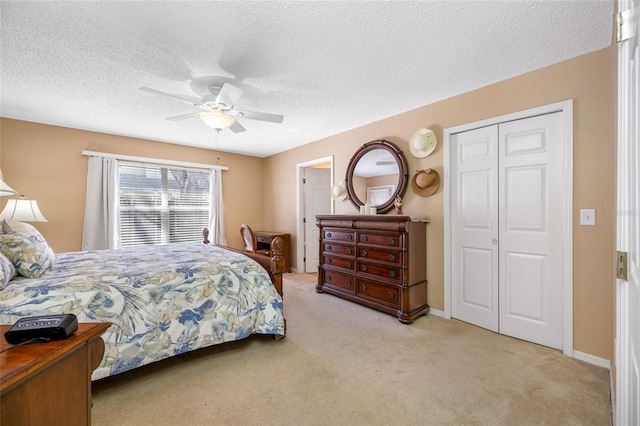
<point x="161" y="300"/>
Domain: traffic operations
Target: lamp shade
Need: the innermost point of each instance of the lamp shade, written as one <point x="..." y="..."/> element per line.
<point x="217" y="119"/>
<point x="6" y="190"/>
<point x="23" y="211"/>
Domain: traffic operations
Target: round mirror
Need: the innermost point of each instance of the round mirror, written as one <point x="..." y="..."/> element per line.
<point x="377" y="174"/>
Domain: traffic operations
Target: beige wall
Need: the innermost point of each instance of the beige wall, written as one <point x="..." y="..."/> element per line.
<point x="46" y="164"/>
<point x="590" y="81"/>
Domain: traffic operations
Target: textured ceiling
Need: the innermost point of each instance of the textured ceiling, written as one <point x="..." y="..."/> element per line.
<point x="326" y="66"/>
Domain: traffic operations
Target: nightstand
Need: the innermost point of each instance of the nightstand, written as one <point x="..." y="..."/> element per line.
<point x="50" y="383"/>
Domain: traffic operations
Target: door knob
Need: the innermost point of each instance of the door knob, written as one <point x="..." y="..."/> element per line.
<point x="494" y="241"/>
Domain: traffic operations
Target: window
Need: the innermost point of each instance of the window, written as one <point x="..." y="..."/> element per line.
<point x="162" y="204"/>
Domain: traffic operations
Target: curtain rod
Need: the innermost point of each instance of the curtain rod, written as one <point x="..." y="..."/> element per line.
<point x="153" y="160"/>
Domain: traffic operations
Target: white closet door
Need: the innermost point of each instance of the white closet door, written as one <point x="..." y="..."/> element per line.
<point x="530" y="216"/>
<point x="507" y="228"/>
<point x="474" y="294"/>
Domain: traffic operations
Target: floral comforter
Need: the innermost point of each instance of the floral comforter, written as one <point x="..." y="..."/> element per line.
<point x="162" y="300"/>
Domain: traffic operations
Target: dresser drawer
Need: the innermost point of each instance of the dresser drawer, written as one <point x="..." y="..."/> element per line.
<point x="387" y="295"/>
<point x="391" y="256"/>
<point x="334" y="248"/>
<point x="393" y="273"/>
<point x="332" y="234"/>
<point x="339" y="262"/>
<point x="343" y="282"/>
<point x="388" y="239"/>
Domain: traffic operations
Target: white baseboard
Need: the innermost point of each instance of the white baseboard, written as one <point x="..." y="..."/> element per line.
<point x="436" y="312"/>
<point x="592" y="359"/>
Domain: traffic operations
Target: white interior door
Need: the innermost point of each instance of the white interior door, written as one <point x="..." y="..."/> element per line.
<point x="507" y="228"/>
<point x="474" y="220"/>
<point x="317" y="201"/>
<point x="531" y="220"/>
<point x="628" y="222"/>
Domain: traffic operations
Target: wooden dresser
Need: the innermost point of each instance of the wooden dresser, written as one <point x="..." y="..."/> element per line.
<point x="50" y="383"/>
<point x="376" y="260"/>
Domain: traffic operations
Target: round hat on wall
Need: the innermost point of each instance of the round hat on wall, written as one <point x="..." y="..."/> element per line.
<point x="423" y="143"/>
<point x="338" y="191"/>
<point x="425" y="182"/>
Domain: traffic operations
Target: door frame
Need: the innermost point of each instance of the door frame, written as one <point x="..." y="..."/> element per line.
<point x="300" y="204"/>
<point x="566" y="108"/>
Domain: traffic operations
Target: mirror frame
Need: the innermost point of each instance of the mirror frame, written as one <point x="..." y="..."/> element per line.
<point x="403" y="172"/>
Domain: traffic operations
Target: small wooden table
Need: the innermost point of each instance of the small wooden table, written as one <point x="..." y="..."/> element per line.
<point x="50" y="383"/>
<point x="263" y="242"/>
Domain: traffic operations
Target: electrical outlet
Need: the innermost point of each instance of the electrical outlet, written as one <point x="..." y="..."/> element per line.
<point x="587" y="216"/>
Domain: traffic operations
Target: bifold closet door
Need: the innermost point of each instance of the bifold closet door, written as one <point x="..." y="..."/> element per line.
<point x="474" y="225"/>
<point x="507" y="228"/>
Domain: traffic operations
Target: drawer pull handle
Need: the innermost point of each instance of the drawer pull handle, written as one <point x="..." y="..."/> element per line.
<point x="328" y="277"/>
<point x="364" y="253"/>
<point x="363" y="287"/>
<point x="390" y="294"/>
<point x="349" y="251"/>
<point x="349" y="237"/>
<point x="348" y="283"/>
<point x="349" y="265"/>
<point x="364" y="268"/>
<point x="392" y="274"/>
<point x="328" y="260"/>
<point x="392" y="241"/>
<point x="365" y="238"/>
<point x="329" y="248"/>
<point x="329" y="234"/>
<point x="392" y="257"/>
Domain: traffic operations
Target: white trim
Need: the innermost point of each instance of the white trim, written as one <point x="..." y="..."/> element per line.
<point x="437" y="313"/>
<point x="153" y="160"/>
<point x="566" y="107"/>
<point x="300" y="205"/>
<point x="592" y="359"/>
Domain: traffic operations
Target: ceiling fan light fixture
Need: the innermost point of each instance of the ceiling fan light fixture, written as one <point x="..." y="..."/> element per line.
<point x="217" y="119"/>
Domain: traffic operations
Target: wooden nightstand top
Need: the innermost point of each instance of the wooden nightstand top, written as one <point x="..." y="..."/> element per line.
<point x="18" y="362"/>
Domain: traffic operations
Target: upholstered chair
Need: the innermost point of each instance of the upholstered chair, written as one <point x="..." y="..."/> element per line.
<point x="250" y="243"/>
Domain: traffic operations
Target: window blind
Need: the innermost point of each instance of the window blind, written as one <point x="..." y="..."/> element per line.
<point x="162" y="204"/>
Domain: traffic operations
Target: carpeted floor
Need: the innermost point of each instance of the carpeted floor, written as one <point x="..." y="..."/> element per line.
<point x="344" y="364"/>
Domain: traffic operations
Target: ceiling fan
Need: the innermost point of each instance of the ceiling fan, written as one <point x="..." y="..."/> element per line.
<point x="218" y="108"/>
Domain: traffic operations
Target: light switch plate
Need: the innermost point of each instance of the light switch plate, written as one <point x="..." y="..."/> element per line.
<point x="587" y="216"/>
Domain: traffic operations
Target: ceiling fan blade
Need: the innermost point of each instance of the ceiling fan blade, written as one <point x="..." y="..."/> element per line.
<point x="191" y="101"/>
<point x="237" y="128"/>
<point x="183" y="117"/>
<point x="252" y="115"/>
<point x="229" y="95"/>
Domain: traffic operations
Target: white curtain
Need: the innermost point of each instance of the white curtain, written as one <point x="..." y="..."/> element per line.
<point x="101" y="213"/>
<point x="216" y="219"/>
